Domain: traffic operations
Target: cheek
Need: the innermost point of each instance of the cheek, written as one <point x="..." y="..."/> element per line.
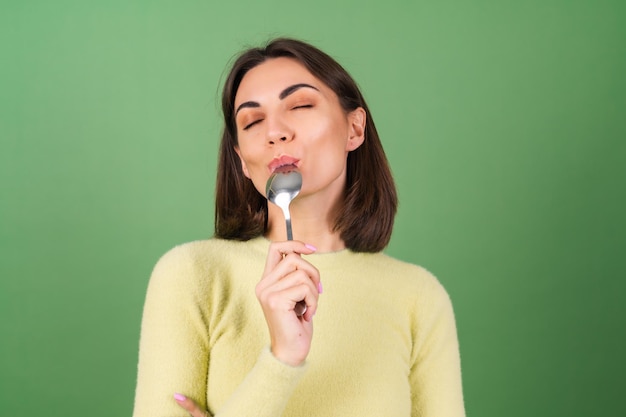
<point x="333" y="142"/>
<point x="327" y="131"/>
<point x="254" y="169"/>
<point x="248" y="153"/>
<point x="250" y="168"/>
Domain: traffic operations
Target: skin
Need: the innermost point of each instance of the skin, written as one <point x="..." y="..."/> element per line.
<point x="283" y="111"/>
<point x="320" y="137"/>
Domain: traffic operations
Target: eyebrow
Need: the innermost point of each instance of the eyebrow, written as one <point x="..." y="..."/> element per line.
<point x="283" y="94"/>
<point x="292" y="89"/>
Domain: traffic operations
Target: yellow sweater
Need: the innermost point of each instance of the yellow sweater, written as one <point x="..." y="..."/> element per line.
<point x="384" y="341"/>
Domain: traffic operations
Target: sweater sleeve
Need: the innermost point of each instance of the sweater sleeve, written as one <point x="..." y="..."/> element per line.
<point x="174" y="350"/>
<point x="435" y="374"/>
<point x="266" y="389"/>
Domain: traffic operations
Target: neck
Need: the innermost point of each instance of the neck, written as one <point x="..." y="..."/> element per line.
<point x="312" y="223"/>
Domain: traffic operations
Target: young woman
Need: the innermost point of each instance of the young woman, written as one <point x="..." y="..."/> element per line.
<point x="220" y="336"/>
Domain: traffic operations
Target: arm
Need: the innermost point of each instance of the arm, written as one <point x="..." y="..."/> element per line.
<point x="173" y="349"/>
<point x="264" y="392"/>
<point x="175" y="352"/>
<point x="435" y="375"/>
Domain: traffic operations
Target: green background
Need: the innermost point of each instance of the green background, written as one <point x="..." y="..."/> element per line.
<point x="504" y="122"/>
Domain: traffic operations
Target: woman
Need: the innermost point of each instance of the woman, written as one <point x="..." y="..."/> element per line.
<point x="220" y="336"/>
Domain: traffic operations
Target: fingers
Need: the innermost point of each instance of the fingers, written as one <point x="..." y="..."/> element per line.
<point x="289" y="264"/>
<point x="280" y="250"/>
<point x="189" y="405"/>
<point x="287" y="292"/>
<point x="289" y="279"/>
<point x="284" y="257"/>
<point x="289" y="274"/>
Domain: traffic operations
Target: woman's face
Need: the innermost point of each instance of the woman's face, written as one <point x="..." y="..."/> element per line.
<point x="288" y="119"/>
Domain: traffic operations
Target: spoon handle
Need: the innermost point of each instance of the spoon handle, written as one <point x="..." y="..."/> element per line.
<point x="300" y="307"/>
<point x="289" y="233"/>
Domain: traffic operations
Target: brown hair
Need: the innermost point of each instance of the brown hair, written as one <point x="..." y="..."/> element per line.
<point x="365" y="219"/>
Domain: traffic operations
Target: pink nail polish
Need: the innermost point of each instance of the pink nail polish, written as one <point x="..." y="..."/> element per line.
<point x="179" y="397"/>
<point x="320" y="289"/>
<point x="313" y="248"/>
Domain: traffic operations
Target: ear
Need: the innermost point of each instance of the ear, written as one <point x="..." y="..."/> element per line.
<point x="356" y="119"/>
<point x="244" y="167"/>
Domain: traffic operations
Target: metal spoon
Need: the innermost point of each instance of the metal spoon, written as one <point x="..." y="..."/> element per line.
<point x="281" y="189"/>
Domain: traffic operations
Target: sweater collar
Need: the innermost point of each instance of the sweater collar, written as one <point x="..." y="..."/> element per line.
<point x="324" y="260"/>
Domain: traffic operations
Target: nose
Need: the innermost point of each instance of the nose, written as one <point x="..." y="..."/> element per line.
<point x="278" y="131"/>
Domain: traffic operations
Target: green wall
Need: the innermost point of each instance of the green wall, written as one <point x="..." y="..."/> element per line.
<point x="504" y="122"/>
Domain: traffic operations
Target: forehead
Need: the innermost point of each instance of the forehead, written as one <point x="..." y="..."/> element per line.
<point x="271" y="77"/>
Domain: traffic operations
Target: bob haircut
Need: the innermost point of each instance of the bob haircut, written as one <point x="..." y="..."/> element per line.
<point x="366" y="214"/>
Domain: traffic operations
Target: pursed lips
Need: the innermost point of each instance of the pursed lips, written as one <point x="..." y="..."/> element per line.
<point x="282" y="163"/>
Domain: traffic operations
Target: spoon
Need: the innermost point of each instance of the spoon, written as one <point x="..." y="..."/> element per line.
<point x="281" y="189"/>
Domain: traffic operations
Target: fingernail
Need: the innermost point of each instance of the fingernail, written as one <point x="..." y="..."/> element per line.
<point x="320" y="289"/>
<point x="313" y="248"/>
<point x="179" y="397"/>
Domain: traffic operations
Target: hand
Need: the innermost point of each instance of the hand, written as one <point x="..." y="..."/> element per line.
<point x="288" y="279"/>
<point x="190" y="405"/>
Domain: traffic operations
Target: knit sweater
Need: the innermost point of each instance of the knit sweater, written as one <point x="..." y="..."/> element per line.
<point x="384" y="341"/>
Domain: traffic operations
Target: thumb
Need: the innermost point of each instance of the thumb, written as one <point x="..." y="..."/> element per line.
<point x="190" y="405"/>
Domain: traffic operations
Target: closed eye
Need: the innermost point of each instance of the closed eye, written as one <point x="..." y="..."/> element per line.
<point x="249" y="125"/>
<point x="302" y="106"/>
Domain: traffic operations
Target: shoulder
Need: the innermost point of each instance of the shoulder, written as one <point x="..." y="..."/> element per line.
<point x="189" y="263"/>
<point x="207" y="252"/>
<point x="427" y="303"/>
<point x="413" y="281"/>
<point x="402" y="272"/>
